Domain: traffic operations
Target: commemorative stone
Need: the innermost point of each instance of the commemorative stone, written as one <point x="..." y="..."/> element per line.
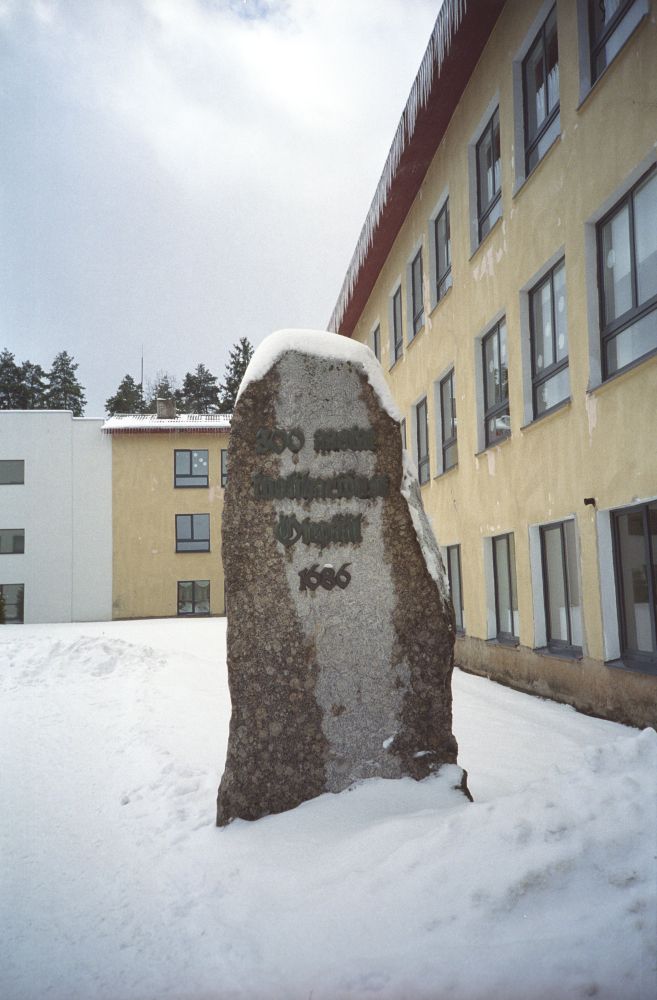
<point x="340" y="627"/>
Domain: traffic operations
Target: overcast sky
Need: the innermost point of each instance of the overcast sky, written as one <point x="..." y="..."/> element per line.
<point x="182" y="173"/>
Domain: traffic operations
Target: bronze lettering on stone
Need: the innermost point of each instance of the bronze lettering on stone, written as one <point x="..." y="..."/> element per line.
<point x="345" y="439"/>
<point x="310" y="579"/>
<point x="342" y="529"/>
<point x="268" y="441"/>
<point x="302" y="486"/>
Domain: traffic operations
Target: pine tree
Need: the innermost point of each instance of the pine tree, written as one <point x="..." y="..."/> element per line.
<point x="64" y="391"/>
<point x="199" y="393"/>
<point x="33" y="386"/>
<point x="127" y="398"/>
<point x="164" y="386"/>
<point x="238" y="361"/>
<point x="10" y="382"/>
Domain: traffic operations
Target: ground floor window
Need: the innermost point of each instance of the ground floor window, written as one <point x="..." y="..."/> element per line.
<point x="12" y="603"/>
<point x="455" y="587"/>
<point x="635" y="538"/>
<point x="193" y="597"/>
<point x="506" y="592"/>
<point x="563" y="612"/>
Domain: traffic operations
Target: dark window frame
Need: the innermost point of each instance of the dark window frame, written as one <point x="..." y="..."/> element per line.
<point x="181" y="541"/>
<point x="19" y="603"/>
<point x="417" y="308"/>
<point x="443" y="278"/>
<point x="647" y="662"/>
<point x="597" y="44"/>
<point x="397" y="326"/>
<point x="376" y="341"/>
<point x="557" y="645"/>
<point x="557" y="366"/>
<point x="503" y="635"/>
<point x="448" y="442"/>
<point x="224" y="467"/>
<point x="190" y="475"/>
<point x="532" y="143"/>
<point x="460" y="628"/>
<point x="13" y="461"/>
<point x="609" y="331"/>
<point x="503" y="407"/>
<point x="484" y="212"/>
<point x="423" y="463"/>
<point x="15" y="533"/>
<point x="193" y="613"/>
<point x="402" y="431"/>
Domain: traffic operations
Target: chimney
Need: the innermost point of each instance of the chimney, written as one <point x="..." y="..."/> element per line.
<point x="166" y="409"/>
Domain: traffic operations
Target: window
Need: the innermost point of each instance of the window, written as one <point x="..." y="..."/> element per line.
<point x="549" y="341"/>
<point x="376" y="342"/>
<point x="611" y="22"/>
<point x="443" y="244"/>
<point x="193" y="597"/>
<point x="191" y="468"/>
<point x="12" y="541"/>
<point x="448" y="422"/>
<point x="506" y="597"/>
<point x="422" y="439"/>
<point x="497" y="423"/>
<point x="397" y="329"/>
<point x="12" y="472"/>
<point x="224" y="466"/>
<point x="402" y="428"/>
<point x="489" y="176"/>
<point x="627" y="263"/>
<point x="192" y="532"/>
<point x="455" y="588"/>
<point x="540" y="79"/>
<point x="12" y="603"/>
<point x="417" y="297"/>
<point x="563" y="613"/>
<point x="635" y="558"/>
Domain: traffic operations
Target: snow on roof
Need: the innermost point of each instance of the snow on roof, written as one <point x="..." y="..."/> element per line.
<point x="149" y="422"/>
<point x="324" y="345"/>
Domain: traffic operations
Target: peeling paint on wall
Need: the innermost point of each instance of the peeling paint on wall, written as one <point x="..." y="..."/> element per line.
<point x="592" y="414"/>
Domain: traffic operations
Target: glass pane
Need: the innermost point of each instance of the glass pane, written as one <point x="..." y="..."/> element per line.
<point x="12" y="472"/>
<point x="202" y="526"/>
<point x="551" y="392"/>
<point x="417" y="284"/>
<point x="544" y="143"/>
<point x="489" y="164"/>
<point x="645" y="233"/>
<point x="504" y="597"/>
<point x="552" y="60"/>
<point x="542" y="327"/>
<point x="497" y="155"/>
<point x="573" y="584"/>
<point x="603" y="13"/>
<point x="183" y="463"/>
<point x="202" y="597"/>
<point x="451" y="456"/>
<point x="491" y="219"/>
<point x="448" y="407"/>
<point x="492" y="374"/>
<point x="200" y="463"/>
<point x="559" y="288"/>
<point x="557" y="623"/>
<point x="443" y="246"/>
<point x="632" y="343"/>
<point x="633" y="583"/>
<point x="535" y="95"/>
<point x="194" y="545"/>
<point x="12" y="541"/>
<point x="184" y="526"/>
<point x="616" y="265"/>
<point x="13" y="594"/>
<point x="454" y="573"/>
<point x="514" y="588"/>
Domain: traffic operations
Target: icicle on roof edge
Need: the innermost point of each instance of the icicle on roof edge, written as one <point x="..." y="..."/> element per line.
<point x="447" y="22"/>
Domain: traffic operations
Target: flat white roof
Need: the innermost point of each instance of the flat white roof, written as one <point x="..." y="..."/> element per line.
<point x="145" y="422"/>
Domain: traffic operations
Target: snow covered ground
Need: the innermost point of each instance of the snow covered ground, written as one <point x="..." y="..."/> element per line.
<point x="116" y="885"/>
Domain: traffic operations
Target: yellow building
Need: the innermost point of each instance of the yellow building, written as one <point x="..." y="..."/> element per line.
<point x="506" y="276"/>
<point x="168" y="479"/>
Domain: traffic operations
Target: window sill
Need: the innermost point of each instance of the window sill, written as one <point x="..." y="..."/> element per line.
<point x="512" y="642"/>
<point x="446" y="472"/>
<point x="592" y="87"/>
<point x="627" y="370"/>
<point x="522" y="181"/>
<point x="565" y="404"/>
<point x="486" y="238"/>
<point x="396" y="362"/>
<point x="634" y="666"/>
<point x="495" y="444"/>
<point x="568" y="653"/>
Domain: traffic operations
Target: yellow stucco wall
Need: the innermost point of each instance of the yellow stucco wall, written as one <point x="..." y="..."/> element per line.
<point x="602" y="443"/>
<point x="146" y="566"/>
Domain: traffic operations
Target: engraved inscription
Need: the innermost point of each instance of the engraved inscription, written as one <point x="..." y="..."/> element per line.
<point x="310" y="579"/>
<point x="301" y="486"/>
<point x="348" y="439"/>
<point x="343" y="529"/>
<point x="277" y="440"/>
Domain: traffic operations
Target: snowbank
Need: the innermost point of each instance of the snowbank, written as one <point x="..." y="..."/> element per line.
<point x="116" y="884"/>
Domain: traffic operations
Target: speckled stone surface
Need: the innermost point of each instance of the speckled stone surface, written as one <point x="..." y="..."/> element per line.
<point x="328" y="686"/>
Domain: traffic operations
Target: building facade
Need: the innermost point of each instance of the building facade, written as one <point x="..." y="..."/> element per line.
<point x="506" y="277"/>
<point x="55" y="518"/>
<point x="168" y="485"/>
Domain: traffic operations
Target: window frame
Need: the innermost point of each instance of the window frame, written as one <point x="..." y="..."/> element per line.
<point x="531" y="145"/>
<point x="556" y="367"/>
<point x="443" y="280"/>
<point x="609" y="331"/>
<point x="402" y="431"/>
<point x="509" y="638"/>
<point x="445" y="441"/>
<point x="417" y="308"/>
<point x="397" y="323"/>
<point x="15" y="533"/>
<point x="190" y="475"/>
<point x="597" y="45"/>
<point x="647" y="662"/>
<point x="19" y="603"/>
<point x="13" y="461"/>
<point x="460" y="629"/>
<point x="181" y="541"/>
<point x="484" y="214"/>
<point x="376" y="342"/>
<point x="558" y="645"/>
<point x="193" y="613"/>
<point x="423" y="459"/>
<point x="224" y="467"/>
<point x="503" y="407"/>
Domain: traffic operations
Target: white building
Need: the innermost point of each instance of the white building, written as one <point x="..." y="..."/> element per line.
<point x="55" y="517"/>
